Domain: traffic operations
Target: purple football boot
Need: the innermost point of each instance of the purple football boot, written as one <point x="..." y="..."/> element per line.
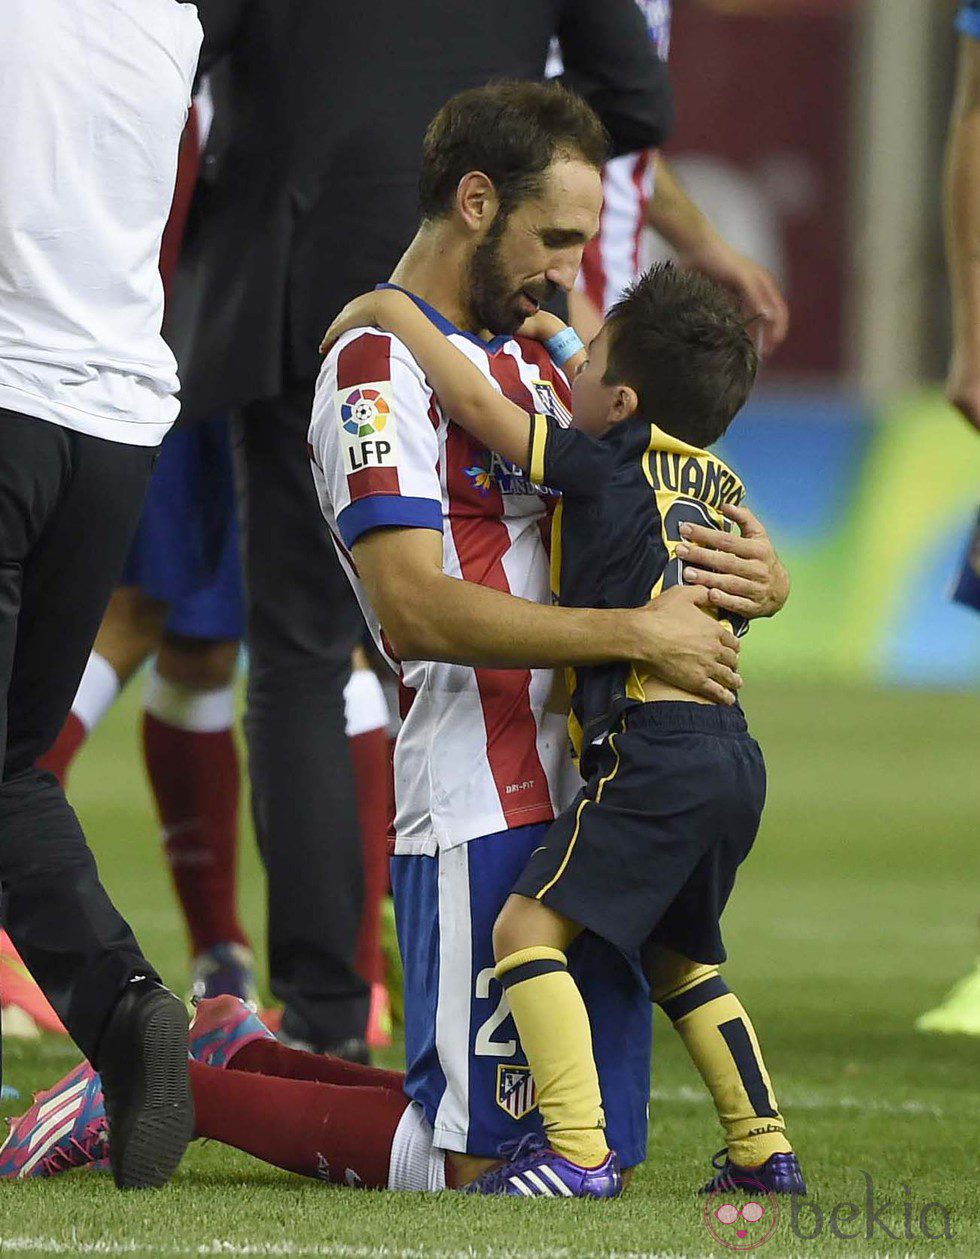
<point x="780" y="1173"/>
<point x="225" y="970"/>
<point x="64" y="1129"/>
<point x="532" y="1169"/>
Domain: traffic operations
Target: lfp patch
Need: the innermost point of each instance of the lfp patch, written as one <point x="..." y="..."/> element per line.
<point x="516" y="1091"/>
<point x="367" y="427"/>
<point x="364" y="412"/>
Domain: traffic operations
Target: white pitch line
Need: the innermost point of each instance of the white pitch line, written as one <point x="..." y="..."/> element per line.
<point x="337" y="1250"/>
<point x="687" y="1095"/>
<point x="290" y="1250"/>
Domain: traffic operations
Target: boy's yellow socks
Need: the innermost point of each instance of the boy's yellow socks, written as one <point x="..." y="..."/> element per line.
<point x="553" y="1025"/>
<point x="721" y="1041"/>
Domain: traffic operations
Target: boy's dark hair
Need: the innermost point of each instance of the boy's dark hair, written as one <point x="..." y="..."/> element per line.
<point x="510" y="130"/>
<point x="677" y="338"/>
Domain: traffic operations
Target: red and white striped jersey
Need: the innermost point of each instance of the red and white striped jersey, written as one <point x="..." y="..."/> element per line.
<point x="615" y="257"/>
<point x="480" y="750"/>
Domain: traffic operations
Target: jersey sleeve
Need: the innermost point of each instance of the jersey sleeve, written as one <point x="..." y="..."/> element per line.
<point x="566" y="459"/>
<point x="374" y="438"/>
<point x="968" y="18"/>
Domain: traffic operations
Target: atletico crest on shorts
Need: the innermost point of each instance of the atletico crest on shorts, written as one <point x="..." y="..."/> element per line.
<point x="516" y="1092"/>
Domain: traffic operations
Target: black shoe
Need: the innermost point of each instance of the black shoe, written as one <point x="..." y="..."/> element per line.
<point x="143" y="1064"/>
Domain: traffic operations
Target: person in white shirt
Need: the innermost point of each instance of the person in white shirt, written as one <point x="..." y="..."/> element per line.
<point x="93" y="100"/>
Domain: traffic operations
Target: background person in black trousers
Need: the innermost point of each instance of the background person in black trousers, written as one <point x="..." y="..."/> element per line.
<point x="309" y="198"/>
<point x="93" y="98"/>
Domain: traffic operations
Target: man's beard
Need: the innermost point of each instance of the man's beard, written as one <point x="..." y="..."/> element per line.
<point x="494" y="304"/>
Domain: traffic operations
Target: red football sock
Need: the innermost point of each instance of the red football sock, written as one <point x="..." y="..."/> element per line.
<point x="343" y="1135"/>
<point x="195" y="779"/>
<point x="96" y="694"/>
<point x="268" y="1057"/>
<point x="63" y="751"/>
<point x="369" y="754"/>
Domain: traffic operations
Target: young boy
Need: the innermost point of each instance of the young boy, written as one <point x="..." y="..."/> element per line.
<point x="674" y="785"/>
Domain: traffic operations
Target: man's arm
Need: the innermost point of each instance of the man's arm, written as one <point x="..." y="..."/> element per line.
<point x="611" y="61"/>
<point x="427" y="615"/>
<point x="700" y="247"/>
<point x="962" y="218"/>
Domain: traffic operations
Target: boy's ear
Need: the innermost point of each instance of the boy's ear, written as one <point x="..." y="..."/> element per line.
<point x="624" y="404"/>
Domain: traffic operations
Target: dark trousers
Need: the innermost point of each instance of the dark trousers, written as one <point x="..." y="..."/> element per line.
<point x="303" y="624"/>
<point x="68" y="509"/>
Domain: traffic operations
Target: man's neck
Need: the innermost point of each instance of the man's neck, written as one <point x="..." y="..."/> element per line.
<point x="434" y="267"/>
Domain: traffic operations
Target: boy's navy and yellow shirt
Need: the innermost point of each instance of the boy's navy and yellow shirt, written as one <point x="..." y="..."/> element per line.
<point x="615" y="534"/>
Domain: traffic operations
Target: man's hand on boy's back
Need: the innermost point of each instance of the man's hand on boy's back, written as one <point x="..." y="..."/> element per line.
<point x="742" y="571"/>
<point x="687" y="649"/>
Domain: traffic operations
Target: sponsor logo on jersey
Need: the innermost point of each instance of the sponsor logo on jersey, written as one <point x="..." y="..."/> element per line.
<point x="494" y="471"/>
<point x="516" y="1092"/>
<point x="367" y="426"/>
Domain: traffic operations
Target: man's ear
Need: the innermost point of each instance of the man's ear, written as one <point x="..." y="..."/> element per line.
<point x="476" y="200"/>
<point x="624" y="404"/>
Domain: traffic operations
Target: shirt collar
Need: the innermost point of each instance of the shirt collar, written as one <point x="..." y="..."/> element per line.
<point x="445" y="326"/>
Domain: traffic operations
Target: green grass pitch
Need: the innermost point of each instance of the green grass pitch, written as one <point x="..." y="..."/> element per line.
<point x="855" y="912"/>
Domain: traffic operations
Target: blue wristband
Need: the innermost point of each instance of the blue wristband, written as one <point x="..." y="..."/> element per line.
<point x="563" y="346"/>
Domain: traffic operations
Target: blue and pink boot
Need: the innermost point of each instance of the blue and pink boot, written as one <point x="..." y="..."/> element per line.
<point x="221" y="1027"/>
<point x="64" y="1129"/>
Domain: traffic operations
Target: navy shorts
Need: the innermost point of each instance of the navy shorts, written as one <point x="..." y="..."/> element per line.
<point x="466" y="1067"/>
<point x="649" y="849"/>
<point x="967" y="590"/>
<point x="186" y="551"/>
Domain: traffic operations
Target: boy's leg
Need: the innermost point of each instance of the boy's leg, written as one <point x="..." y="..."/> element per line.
<point x="721" y="1041"/>
<point x="529" y="944"/>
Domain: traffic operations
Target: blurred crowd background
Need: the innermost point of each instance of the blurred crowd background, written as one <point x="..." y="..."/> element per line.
<point x="812" y="133"/>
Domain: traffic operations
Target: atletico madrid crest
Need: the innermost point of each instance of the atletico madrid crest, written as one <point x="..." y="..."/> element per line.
<point x="516" y="1093"/>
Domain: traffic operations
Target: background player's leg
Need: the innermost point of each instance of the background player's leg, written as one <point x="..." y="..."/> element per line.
<point x="130" y="633"/>
<point x="192" y="764"/>
<point x="722" y="1043"/>
<point x="366" y="718"/>
<point x="303" y="624"/>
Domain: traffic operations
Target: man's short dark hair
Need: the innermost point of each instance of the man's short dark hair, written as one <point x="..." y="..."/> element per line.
<point x="512" y="131"/>
<point x="677" y="338"/>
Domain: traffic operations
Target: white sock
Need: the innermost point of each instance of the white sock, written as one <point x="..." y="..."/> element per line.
<point x="365" y="707"/>
<point x="96" y="692"/>
<point x="416" y="1165"/>
<point x="201" y="712"/>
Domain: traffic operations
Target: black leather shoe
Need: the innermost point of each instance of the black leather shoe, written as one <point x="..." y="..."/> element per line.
<point x="143" y="1064"/>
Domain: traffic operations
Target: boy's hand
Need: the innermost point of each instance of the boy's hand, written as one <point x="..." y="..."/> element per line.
<point x="743" y="573"/>
<point x="686" y="648"/>
<point x="370" y="310"/>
